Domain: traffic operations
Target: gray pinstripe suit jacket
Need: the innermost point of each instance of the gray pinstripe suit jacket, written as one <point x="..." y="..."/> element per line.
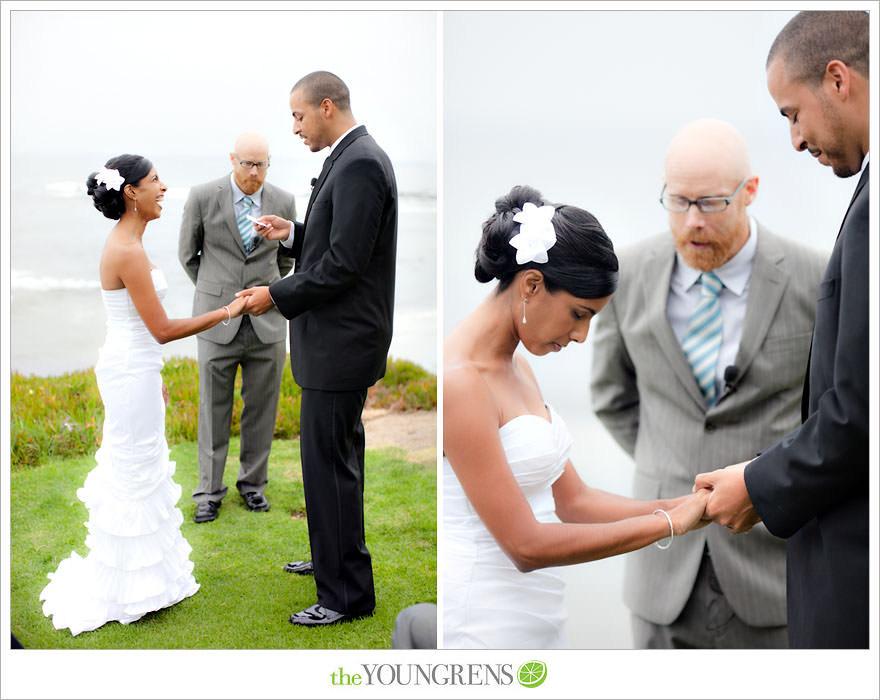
<point x="212" y="253"/>
<point x="644" y="393"/>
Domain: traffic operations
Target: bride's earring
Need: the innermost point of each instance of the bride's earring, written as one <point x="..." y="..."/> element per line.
<point x="135" y="204"/>
<point x="524" y="311"/>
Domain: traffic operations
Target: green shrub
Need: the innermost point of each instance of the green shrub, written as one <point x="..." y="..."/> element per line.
<point x="405" y="387"/>
<point x="62" y="416"/>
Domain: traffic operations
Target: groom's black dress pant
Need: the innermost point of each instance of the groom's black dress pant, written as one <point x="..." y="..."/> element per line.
<point x="332" y="451"/>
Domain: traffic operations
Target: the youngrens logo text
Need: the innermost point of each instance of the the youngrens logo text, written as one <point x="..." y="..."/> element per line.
<point x="530" y="674"/>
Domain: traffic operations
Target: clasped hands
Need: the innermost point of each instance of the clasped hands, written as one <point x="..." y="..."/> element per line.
<point x="729" y="503"/>
<point x="257" y="300"/>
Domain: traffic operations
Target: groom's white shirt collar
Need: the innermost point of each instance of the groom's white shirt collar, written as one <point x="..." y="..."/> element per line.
<point x="336" y="142"/>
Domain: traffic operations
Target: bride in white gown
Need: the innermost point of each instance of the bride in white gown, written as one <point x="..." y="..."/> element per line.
<point x="507" y="480"/>
<point x="138" y="560"/>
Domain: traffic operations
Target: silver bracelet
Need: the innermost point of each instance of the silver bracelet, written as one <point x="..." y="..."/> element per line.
<point x="228" y="316"/>
<point x="671" y="530"/>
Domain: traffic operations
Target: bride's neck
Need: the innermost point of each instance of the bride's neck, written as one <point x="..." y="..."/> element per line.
<point x="489" y="332"/>
<point x="132" y="226"/>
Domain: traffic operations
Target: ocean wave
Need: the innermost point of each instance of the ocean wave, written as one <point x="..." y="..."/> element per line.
<point x="45" y="283"/>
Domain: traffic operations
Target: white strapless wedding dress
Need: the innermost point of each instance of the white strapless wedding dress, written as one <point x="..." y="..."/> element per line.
<point x="487" y="602"/>
<point x="138" y="560"/>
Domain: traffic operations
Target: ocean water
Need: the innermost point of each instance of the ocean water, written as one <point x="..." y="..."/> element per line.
<point x="57" y="320"/>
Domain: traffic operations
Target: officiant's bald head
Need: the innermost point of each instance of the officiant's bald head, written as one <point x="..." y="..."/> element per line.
<point x="250" y="161"/>
<point x="708" y="185"/>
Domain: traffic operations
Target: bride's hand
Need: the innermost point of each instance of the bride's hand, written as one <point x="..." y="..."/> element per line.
<point x="236" y="307"/>
<point x="165" y="395"/>
<point x="688" y="514"/>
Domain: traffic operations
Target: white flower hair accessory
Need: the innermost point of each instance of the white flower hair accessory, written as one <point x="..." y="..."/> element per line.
<point x="536" y="233"/>
<point x="111" y="178"/>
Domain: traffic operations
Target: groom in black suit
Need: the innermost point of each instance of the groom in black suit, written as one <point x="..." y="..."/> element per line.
<point x="340" y="302"/>
<point x="812" y="486"/>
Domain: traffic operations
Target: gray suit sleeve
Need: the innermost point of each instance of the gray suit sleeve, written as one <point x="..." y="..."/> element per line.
<point x="192" y="236"/>
<point x="613" y="388"/>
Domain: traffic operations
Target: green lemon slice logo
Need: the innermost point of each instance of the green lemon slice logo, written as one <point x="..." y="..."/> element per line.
<point x="531" y="674"/>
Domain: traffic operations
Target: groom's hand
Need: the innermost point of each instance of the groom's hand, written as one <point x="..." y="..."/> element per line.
<point x="272" y="227"/>
<point x="729" y="504"/>
<point x="258" y="300"/>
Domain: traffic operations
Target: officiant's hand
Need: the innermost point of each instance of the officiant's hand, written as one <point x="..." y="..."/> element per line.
<point x="257" y="300"/>
<point x="729" y="504"/>
<point x="272" y="228"/>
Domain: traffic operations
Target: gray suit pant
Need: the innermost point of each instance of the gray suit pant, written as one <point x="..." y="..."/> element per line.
<point x="261" y="367"/>
<point x="415" y="627"/>
<point x="707" y="622"/>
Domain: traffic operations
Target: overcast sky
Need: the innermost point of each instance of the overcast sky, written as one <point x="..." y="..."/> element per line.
<point x="166" y="81"/>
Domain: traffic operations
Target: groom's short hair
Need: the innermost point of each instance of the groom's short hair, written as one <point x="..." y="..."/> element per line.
<point x="321" y="85"/>
<point x="811" y="40"/>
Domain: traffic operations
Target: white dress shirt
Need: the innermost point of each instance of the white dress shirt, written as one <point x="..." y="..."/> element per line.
<point x="685" y="292"/>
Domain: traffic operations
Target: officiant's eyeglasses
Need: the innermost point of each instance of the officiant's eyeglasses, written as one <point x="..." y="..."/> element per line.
<point x="707" y="205"/>
<point x="248" y="164"/>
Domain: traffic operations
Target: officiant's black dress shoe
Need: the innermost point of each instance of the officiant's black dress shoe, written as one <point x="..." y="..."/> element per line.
<point x="300" y="567"/>
<point x="206" y="512"/>
<point x="255" y="501"/>
<point x="319" y="615"/>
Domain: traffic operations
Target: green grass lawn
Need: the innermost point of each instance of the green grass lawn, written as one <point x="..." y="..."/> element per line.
<point x="245" y="597"/>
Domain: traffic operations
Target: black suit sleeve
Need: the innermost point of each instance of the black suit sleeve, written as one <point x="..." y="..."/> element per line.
<point x="285" y="258"/>
<point x="358" y="199"/>
<point x="824" y="461"/>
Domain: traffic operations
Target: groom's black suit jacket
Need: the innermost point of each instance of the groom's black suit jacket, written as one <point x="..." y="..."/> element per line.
<point x="340" y="299"/>
<point x="812" y="486"/>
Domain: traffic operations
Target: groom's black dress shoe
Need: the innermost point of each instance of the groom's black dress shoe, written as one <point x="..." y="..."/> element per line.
<point x="255" y="501"/>
<point x="300" y="567"/>
<point x="319" y="615"/>
<point x="206" y="512"/>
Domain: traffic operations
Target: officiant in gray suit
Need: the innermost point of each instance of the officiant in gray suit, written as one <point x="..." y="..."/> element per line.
<point x="699" y="360"/>
<point x="222" y="254"/>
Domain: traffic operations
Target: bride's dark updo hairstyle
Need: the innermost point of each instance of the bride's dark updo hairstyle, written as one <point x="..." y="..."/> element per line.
<point x="111" y="203"/>
<point x="581" y="262"/>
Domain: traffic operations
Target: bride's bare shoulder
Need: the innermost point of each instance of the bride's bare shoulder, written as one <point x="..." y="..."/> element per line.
<point x="463" y="381"/>
<point x="119" y="258"/>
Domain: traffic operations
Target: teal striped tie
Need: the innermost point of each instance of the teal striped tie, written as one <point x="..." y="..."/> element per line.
<point x="245" y="225"/>
<point x="702" y="341"/>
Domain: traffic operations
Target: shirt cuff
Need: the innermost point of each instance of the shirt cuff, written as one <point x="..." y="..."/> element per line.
<point x="288" y="242"/>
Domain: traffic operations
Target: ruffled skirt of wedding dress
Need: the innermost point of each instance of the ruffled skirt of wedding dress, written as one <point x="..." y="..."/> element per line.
<point x="138" y="560"/>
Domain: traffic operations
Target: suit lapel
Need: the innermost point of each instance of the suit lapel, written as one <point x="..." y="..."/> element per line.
<point x="766" y="287"/>
<point x="227" y="212"/>
<point x="863" y="180"/>
<point x="319" y="182"/>
<point x="328" y="164"/>
<point x="658" y="268"/>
